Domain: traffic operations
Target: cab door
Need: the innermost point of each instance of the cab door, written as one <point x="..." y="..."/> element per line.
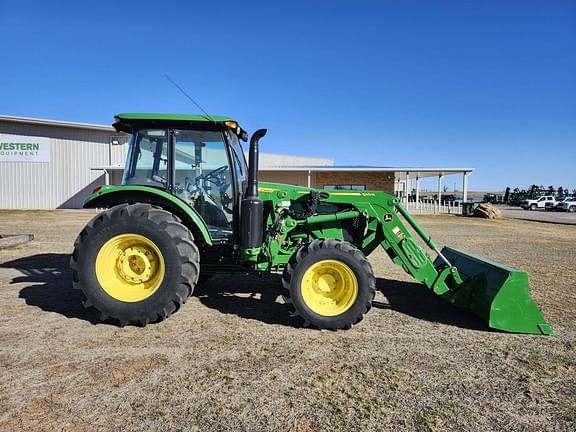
<point x="202" y="177"/>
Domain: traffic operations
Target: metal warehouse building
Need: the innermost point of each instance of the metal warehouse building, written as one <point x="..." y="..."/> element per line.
<point x="57" y="172"/>
<point x="47" y="164"/>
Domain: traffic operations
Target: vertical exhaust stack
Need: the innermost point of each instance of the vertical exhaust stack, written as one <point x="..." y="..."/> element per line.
<point x="251" y="210"/>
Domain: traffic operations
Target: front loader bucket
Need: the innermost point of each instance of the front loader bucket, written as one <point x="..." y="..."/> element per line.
<point x="498" y="294"/>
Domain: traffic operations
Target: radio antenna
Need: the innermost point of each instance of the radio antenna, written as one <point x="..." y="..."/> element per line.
<point x="207" y="116"/>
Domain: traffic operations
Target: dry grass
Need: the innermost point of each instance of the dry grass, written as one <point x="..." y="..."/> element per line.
<point x="232" y="359"/>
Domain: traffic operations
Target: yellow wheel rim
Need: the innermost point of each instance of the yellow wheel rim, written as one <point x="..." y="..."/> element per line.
<point x="130" y="267"/>
<point x="329" y="287"/>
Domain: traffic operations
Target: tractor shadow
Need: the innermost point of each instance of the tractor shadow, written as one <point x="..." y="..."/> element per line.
<point x="49" y="285"/>
<point x="415" y="300"/>
<point x="247" y="296"/>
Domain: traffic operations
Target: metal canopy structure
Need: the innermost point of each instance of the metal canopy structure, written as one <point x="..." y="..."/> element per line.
<point x="404" y="176"/>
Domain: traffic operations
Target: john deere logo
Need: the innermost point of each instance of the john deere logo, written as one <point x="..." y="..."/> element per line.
<point x="15" y="148"/>
<point x="387" y="217"/>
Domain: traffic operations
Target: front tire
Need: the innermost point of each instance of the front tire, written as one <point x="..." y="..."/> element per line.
<point x="330" y="284"/>
<point x="135" y="263"/>
<point x="533" y="207"/>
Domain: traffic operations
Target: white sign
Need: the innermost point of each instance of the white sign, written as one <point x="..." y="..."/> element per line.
<point x="18" y="148"/>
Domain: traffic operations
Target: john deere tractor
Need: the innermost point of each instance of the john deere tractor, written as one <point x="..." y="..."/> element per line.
<point x="190" y="207"/>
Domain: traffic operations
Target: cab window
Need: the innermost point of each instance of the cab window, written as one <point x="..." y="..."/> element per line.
<point x="202" y="178"/>
<point x="147" y="163"/>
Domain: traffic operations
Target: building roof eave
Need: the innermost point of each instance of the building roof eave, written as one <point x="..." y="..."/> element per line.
<point x="59" y="123"/>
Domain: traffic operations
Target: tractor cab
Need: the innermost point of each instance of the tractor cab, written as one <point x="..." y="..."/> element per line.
<point x="197" y="159"/>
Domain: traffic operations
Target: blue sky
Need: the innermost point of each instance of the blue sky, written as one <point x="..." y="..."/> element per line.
<point x="484" y="84"/>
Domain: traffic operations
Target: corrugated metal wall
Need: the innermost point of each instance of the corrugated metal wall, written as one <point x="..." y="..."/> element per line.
<point x="270" y="160"/>
<point x="67" y="179"/>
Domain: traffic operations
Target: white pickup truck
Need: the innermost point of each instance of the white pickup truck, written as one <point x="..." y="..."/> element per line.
<point x="569" y="205"/>
<point x="540" y="202"/>
<point x="550" y="206"/>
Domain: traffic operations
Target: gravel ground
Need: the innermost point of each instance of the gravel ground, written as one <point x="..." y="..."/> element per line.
<point x="232" y="359"/>
<point x="539" y="215"/>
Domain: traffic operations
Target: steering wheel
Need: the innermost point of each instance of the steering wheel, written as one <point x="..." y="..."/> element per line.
<point x="214" y="176"/>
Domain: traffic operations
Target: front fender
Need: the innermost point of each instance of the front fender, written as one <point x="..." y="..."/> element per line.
<point x="108" y="196"/>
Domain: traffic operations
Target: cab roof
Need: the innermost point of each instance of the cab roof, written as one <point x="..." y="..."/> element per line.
<point x="127" y="122"/>
<point x="173" y="117"/>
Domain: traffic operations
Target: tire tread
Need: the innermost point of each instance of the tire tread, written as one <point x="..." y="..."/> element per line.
<point x="317" y="245"/>
<point x="184" y="244"/>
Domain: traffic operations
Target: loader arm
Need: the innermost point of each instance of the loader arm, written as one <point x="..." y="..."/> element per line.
<point x="498" y="294"/>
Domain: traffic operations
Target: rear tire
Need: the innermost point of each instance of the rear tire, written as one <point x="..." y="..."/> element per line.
<point x="135" y="263"/>
<point x="330" y="284"/>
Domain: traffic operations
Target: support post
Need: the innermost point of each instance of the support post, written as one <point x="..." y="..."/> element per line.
<point x="417" y="192"/>
<point x="439" y="191"/>
<point x="464" y="186"/>
<point x="406" y="189"/>
<point x="309" y="178"/>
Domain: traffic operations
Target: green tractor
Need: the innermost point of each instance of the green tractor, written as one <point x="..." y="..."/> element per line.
<point x="190" y="207"/>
